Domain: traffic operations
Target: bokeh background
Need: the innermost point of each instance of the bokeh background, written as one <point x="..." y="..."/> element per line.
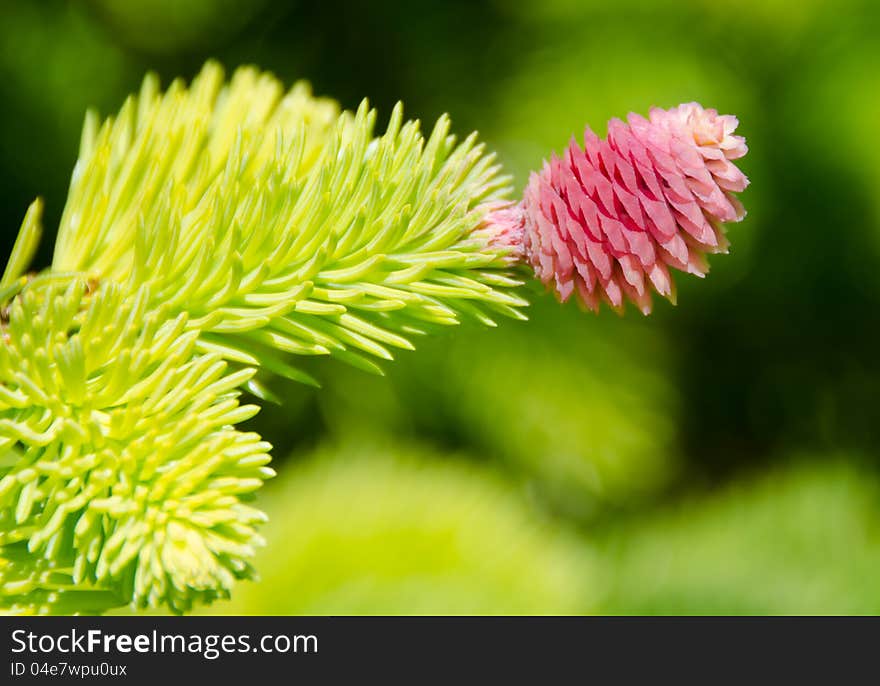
<point x="720" y="456"/>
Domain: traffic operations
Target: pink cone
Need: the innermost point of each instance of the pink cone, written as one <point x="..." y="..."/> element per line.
<point x="608" y="220"/>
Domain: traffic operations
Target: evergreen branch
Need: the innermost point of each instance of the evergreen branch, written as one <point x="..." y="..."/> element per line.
<point x="221" y="228"/>
<point x="209" y="225"/>
<point x="283" y="226"/>
<point x="127" y="478"/>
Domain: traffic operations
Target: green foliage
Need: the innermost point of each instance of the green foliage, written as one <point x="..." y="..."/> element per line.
<point x="581" y="410"/>
<point x="80" y="66"/>
<point x="805" y="539"/>
<point x="128" y="475"/>
<point x="161" y="26"/>
<point x="842" y="92"/>
<point x="593" y="432"/>
<point x="282" y="226"/>
<point x="395" y="531"/>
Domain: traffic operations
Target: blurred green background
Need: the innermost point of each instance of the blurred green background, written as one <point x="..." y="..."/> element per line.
<point x="719" y="456"/>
